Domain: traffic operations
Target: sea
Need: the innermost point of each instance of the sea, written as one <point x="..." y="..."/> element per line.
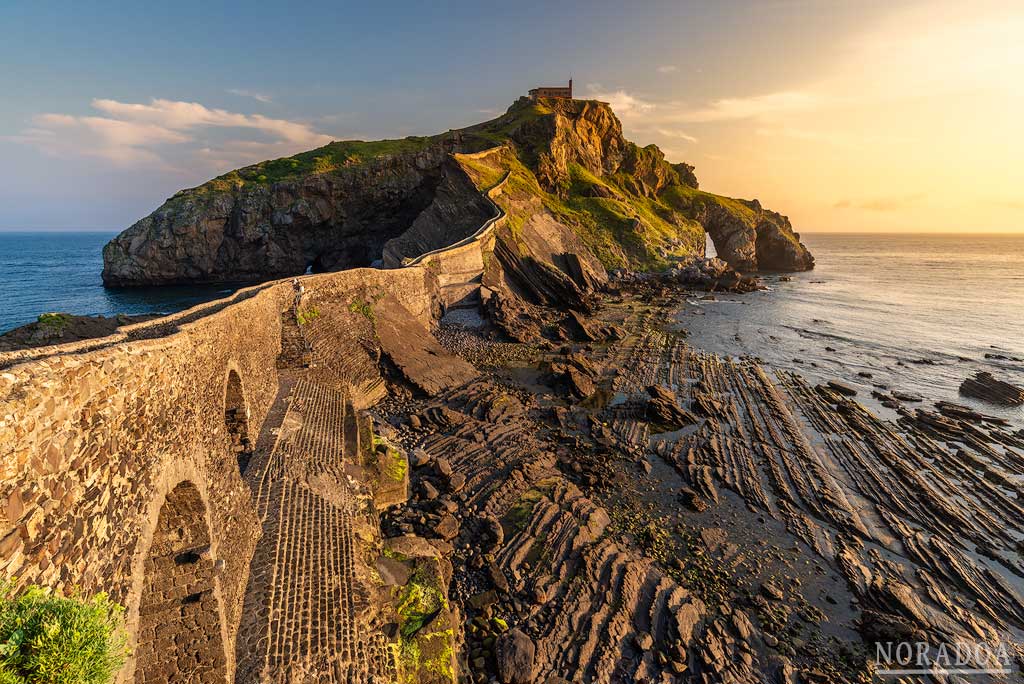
<point x="918" y="312"/>
<point x="48" y="271"/>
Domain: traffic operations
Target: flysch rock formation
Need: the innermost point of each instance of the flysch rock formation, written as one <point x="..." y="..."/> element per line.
<point x="352" y="203"/>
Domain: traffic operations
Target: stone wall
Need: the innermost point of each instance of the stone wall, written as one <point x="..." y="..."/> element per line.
<point x="91" y="444"/>
<point x="116" y="461"/>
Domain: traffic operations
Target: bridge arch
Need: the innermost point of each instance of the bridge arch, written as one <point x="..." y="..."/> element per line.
<point x="179" y="635"/>
<point x="236" y="420"/>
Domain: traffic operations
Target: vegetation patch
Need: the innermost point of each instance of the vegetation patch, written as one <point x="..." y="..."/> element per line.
<point x="309" y="315"/>
<point x="423" y="644"/>
<point x="54" y="322"/>
<point x="333" y="157"/>
<point x="622" y="228"/>
<point x="418" y="602"/>
<point x="363" y="308"/>
<point x="45" y="638"/>
<point x="393" y="464"/>
<point x="518" y="517"/>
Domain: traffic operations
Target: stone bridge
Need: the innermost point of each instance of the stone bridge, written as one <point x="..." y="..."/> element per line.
<point x="192" y="465"/>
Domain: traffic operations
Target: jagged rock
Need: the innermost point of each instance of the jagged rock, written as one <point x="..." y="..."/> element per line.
<point x="754" y="240"/>
<point x="497" y="578"/>
<point x="494" y="531"/>
<point x="663" y="409"/>
<point x="457" y="482"/>
<point x="771" y="591"/>
<point x="686" y="174"/>
<point x="984" y="386"/>
<point x="514" y="655"/>
<point x="423" y="362"/>
<point x="483" y="599"/>
<point x="429" y="491"/>
<point x="420" y="457"/>
<point x="881" y="627"/>
<point x="714" y="275"/>
<point x="906" y="396"/>
<point x="573" y="376"/>
<point x="590" y="331"/>
<point x="444" y="467"/>
<point x="447" y="527"/>
<point x="244" y="226"/>
<point x="692" y="500"/>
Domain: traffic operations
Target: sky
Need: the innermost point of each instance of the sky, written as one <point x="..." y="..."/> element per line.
<point x="845" y="116"/>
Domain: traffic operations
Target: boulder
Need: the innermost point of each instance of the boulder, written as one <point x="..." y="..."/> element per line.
<point x="515" y="654"/>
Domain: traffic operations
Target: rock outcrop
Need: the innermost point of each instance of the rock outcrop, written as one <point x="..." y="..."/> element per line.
<point x="240" y="228"/>
<point x="986" y="387"/>
<point x="352" y="203"/>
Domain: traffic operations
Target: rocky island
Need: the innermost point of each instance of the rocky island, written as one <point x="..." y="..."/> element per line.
<point x="352" y="203"/>
<point x="495" y="457"/>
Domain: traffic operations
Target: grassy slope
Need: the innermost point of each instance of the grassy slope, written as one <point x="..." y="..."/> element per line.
<point x="607" y="225"/>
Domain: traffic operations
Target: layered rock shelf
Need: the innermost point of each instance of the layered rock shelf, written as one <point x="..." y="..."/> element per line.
<point x="987" y="388"/>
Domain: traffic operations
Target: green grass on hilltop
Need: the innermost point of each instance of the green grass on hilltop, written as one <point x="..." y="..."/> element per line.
<point x="685" y="198"/>
<point x="331" y="157"/>
<point x="342" y="154"/>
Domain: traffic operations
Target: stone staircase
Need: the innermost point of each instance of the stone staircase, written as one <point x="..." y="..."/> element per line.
<point x="294" y="348"/>
<point x="307" y="615"/>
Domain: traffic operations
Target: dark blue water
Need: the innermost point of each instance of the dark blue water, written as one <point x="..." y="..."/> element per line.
<point x="60" y="271"/>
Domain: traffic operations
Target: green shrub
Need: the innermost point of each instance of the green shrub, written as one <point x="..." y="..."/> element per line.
<point x="45" y="638"/>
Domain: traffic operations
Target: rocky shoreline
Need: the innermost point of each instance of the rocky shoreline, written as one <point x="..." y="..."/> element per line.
<point x="61" y="328"/>
<point x="628" y="508"/>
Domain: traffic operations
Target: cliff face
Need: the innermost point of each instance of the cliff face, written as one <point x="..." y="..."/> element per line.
<point x="240" y="228"/>
<point x="350" y="203"/>
<point x="653" y="207"/>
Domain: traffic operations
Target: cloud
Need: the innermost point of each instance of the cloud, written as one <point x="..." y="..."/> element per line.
<point x="259" y="97"/>
<point x="755" y="106"/>
<point x="884" y="204"/>
<point x="622" y="103"/>
<point x="667" y="69"/>
<point x="189" y="115"/>
<point x="641" y="113"/>
<point x="668" y="133"/>
<point x="135" y="134"/>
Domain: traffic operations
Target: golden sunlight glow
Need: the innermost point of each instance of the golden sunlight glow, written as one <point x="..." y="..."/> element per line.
<point x="914" y="125"/>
